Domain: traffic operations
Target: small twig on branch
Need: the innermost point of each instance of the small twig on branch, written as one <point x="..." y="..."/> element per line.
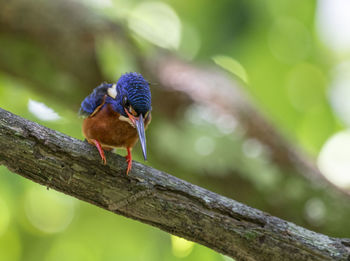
<point x="156" y="198"/>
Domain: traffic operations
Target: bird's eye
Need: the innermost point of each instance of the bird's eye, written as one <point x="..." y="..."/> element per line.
<point x="125" y="102"/>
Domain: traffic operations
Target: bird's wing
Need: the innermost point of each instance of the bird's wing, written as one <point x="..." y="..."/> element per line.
<point x="92" y="103"/>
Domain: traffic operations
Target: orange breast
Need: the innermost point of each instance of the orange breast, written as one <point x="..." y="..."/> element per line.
<point x="106" y="127"/>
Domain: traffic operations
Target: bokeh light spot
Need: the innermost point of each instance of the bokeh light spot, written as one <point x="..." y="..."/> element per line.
<point x="48" y="211"/>
<point x="315" y="211"/>
<point x="204" y="145"/>
<point x="333" y="22"/>
<point x="158" y="23"/>
<point x="252" y="148"/>
<point x="334" y="159"/>
<point x="226" y="123"/>
<point x="232" y="66"/>
<point x="289" y="40"/>
<point x="181" y="247"/>
<point x="41" y="111"/>
<point x="200" y="115"/>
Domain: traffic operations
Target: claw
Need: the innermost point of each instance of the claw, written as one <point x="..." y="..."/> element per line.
<point x="128" y="160"/>
<point x="100" y="150"/>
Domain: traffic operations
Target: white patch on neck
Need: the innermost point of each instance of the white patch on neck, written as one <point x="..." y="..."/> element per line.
<point x="126" y="119"/>
<point x="112" y="91"/>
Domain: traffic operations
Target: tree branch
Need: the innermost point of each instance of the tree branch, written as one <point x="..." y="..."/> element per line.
<point x="156" y="198"/>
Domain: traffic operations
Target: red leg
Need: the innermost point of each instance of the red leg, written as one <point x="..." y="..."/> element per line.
<point x="128" y="160"/>
<point x="100" y="150"/>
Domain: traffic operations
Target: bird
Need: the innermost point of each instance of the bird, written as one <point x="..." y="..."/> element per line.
<point x="117" y="115"/>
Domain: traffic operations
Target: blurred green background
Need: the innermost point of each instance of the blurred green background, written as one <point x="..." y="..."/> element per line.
<point x="290" y="56"/>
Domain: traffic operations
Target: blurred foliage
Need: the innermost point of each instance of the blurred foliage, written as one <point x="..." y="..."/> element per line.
<point x="271" y="46"/>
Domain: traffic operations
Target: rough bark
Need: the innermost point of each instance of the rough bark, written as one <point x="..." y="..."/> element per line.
<point x="157" y="198"/>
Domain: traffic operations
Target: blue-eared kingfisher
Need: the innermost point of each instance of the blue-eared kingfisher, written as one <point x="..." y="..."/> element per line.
<point x="116" y="115"/>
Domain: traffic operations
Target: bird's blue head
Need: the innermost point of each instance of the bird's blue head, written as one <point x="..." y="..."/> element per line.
<point x="135" y="93"/>
<point x="131" y="97"/>
<point x="131" y="94"/>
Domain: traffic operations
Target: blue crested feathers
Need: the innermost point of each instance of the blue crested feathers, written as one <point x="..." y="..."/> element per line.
<point x="137" y="90"/>
<point x="130" y="85"/>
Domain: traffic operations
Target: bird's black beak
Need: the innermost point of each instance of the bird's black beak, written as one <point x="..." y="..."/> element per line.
<point x="141" y="131"/>
<point x="138" y="123"/>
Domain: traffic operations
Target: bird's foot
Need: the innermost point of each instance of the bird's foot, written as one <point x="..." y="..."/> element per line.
<point x="100" y="150"/>
<point x="128" y="160"/>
